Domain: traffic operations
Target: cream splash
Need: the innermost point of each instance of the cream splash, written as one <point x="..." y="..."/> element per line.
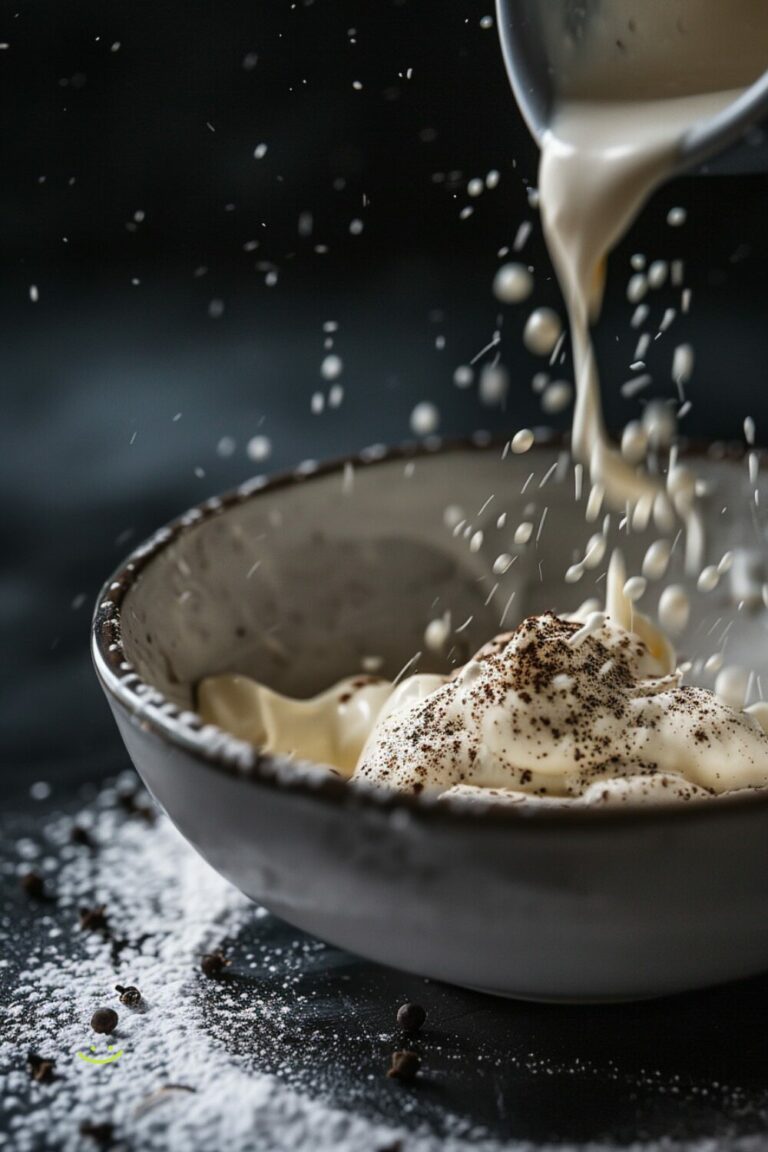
<point x="640" y="77"/>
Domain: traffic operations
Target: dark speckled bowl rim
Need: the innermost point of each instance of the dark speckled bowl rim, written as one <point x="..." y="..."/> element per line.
<point x="146" y="706"/>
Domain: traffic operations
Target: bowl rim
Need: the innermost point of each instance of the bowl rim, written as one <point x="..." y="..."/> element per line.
<point x="146" y="706"/>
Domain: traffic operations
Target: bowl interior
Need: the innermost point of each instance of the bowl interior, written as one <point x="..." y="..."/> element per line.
<point x="301" y="583"/>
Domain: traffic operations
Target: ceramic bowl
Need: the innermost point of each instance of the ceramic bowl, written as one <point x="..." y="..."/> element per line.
<point x="296" y="581"/>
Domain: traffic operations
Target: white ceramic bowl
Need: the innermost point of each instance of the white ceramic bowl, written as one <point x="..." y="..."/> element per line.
<point x="294" y="581"/>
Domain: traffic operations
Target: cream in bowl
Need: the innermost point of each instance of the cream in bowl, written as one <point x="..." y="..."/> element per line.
<point x="552" y="899"/>
<point x="588" y="708"/>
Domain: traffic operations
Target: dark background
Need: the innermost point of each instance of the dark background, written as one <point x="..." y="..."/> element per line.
<point x="109" y="110"/>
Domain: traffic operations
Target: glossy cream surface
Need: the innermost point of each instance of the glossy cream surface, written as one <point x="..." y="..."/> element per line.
<point x="588" y="708"/>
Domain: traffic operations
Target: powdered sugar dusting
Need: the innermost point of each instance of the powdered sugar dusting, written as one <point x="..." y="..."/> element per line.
<point x="174" y="1085"/>
<point x="254" y="1061"/>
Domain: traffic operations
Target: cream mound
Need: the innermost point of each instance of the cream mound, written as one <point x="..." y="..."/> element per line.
<point x="580" y="709"/>
<point x="558" y="709"/>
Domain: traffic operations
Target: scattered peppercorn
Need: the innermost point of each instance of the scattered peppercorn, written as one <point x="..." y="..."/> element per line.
<point x="80" y="835"/>
<point x="213" y="964"/>
<point x="104" y="1020"/>
<point x="404" y="1066"/>
<point x="129" y="995"/>
<point x="129" y="803"/>
<point x="33" y="884"/>
<point x="410" y="1017"/>
<point x="102" y="1133"/>
<point x="40" y="1068"/>
<point x="94" y="919"/>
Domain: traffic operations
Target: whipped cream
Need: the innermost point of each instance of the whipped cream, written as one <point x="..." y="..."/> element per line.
<point x="558" y="708"/>
<point x="588" y="708"/>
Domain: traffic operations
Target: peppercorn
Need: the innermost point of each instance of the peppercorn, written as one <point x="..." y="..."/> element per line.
<point x="104" y="1020"/>
<point x="129" y="995"/>
<point x="410" y="1017"/>
<point x="94" y="919"/>
<point x="33" y="884"/>
<point x="213" y="964"/>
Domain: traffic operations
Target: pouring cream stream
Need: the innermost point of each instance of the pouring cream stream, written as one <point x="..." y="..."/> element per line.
<point x="587" y="708"/>
<point x="631" y="87"/>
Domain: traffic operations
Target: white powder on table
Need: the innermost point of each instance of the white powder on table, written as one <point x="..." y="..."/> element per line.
<point x="171" y="908"/>
<point x="155" y="886"/>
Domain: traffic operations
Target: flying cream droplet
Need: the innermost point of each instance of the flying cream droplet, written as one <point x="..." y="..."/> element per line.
<point x="522" y="441"/>
<point x="656" y="559"/>
<point x="425" y="419"/>
<point x="512" y="283"/>
<point x="674" y="609"/>
<point x="331" y="367"/>
<point x="542" y="331"/>
<point x="731" y="686"/>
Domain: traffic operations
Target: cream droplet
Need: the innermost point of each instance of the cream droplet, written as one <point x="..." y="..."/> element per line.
<point x="659" y="423"/>
<point x="594" y="503"/>
<point x="453" y="516"/>
<point x="637" y="288"/>
<point x="708" y="580"/>
<point x="674" y="608"/>
<point x="259" y="448"/>
<point x="425" y="419"/>
<point x="635" y="587"/>
<point x="493" y="385"/>
<point x="682" y="363"/>
<point x="512" y="283"/>
<point x="542" y="331"/>
<point x="437" y="632"/>
<point x="595" y="551"/>
<point x="731" y="686"/>
<point x="676" y="217"/>
<point x="331" y="367"/>
<point x="523" y="532"/>
<point x="657" y="274"/>
<point x="656" y="559"/>
<point x="557" y="397"/>
<point x="463" y="376"/>
<point x="522" y="441"/>
<point x="634" y="442"/>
